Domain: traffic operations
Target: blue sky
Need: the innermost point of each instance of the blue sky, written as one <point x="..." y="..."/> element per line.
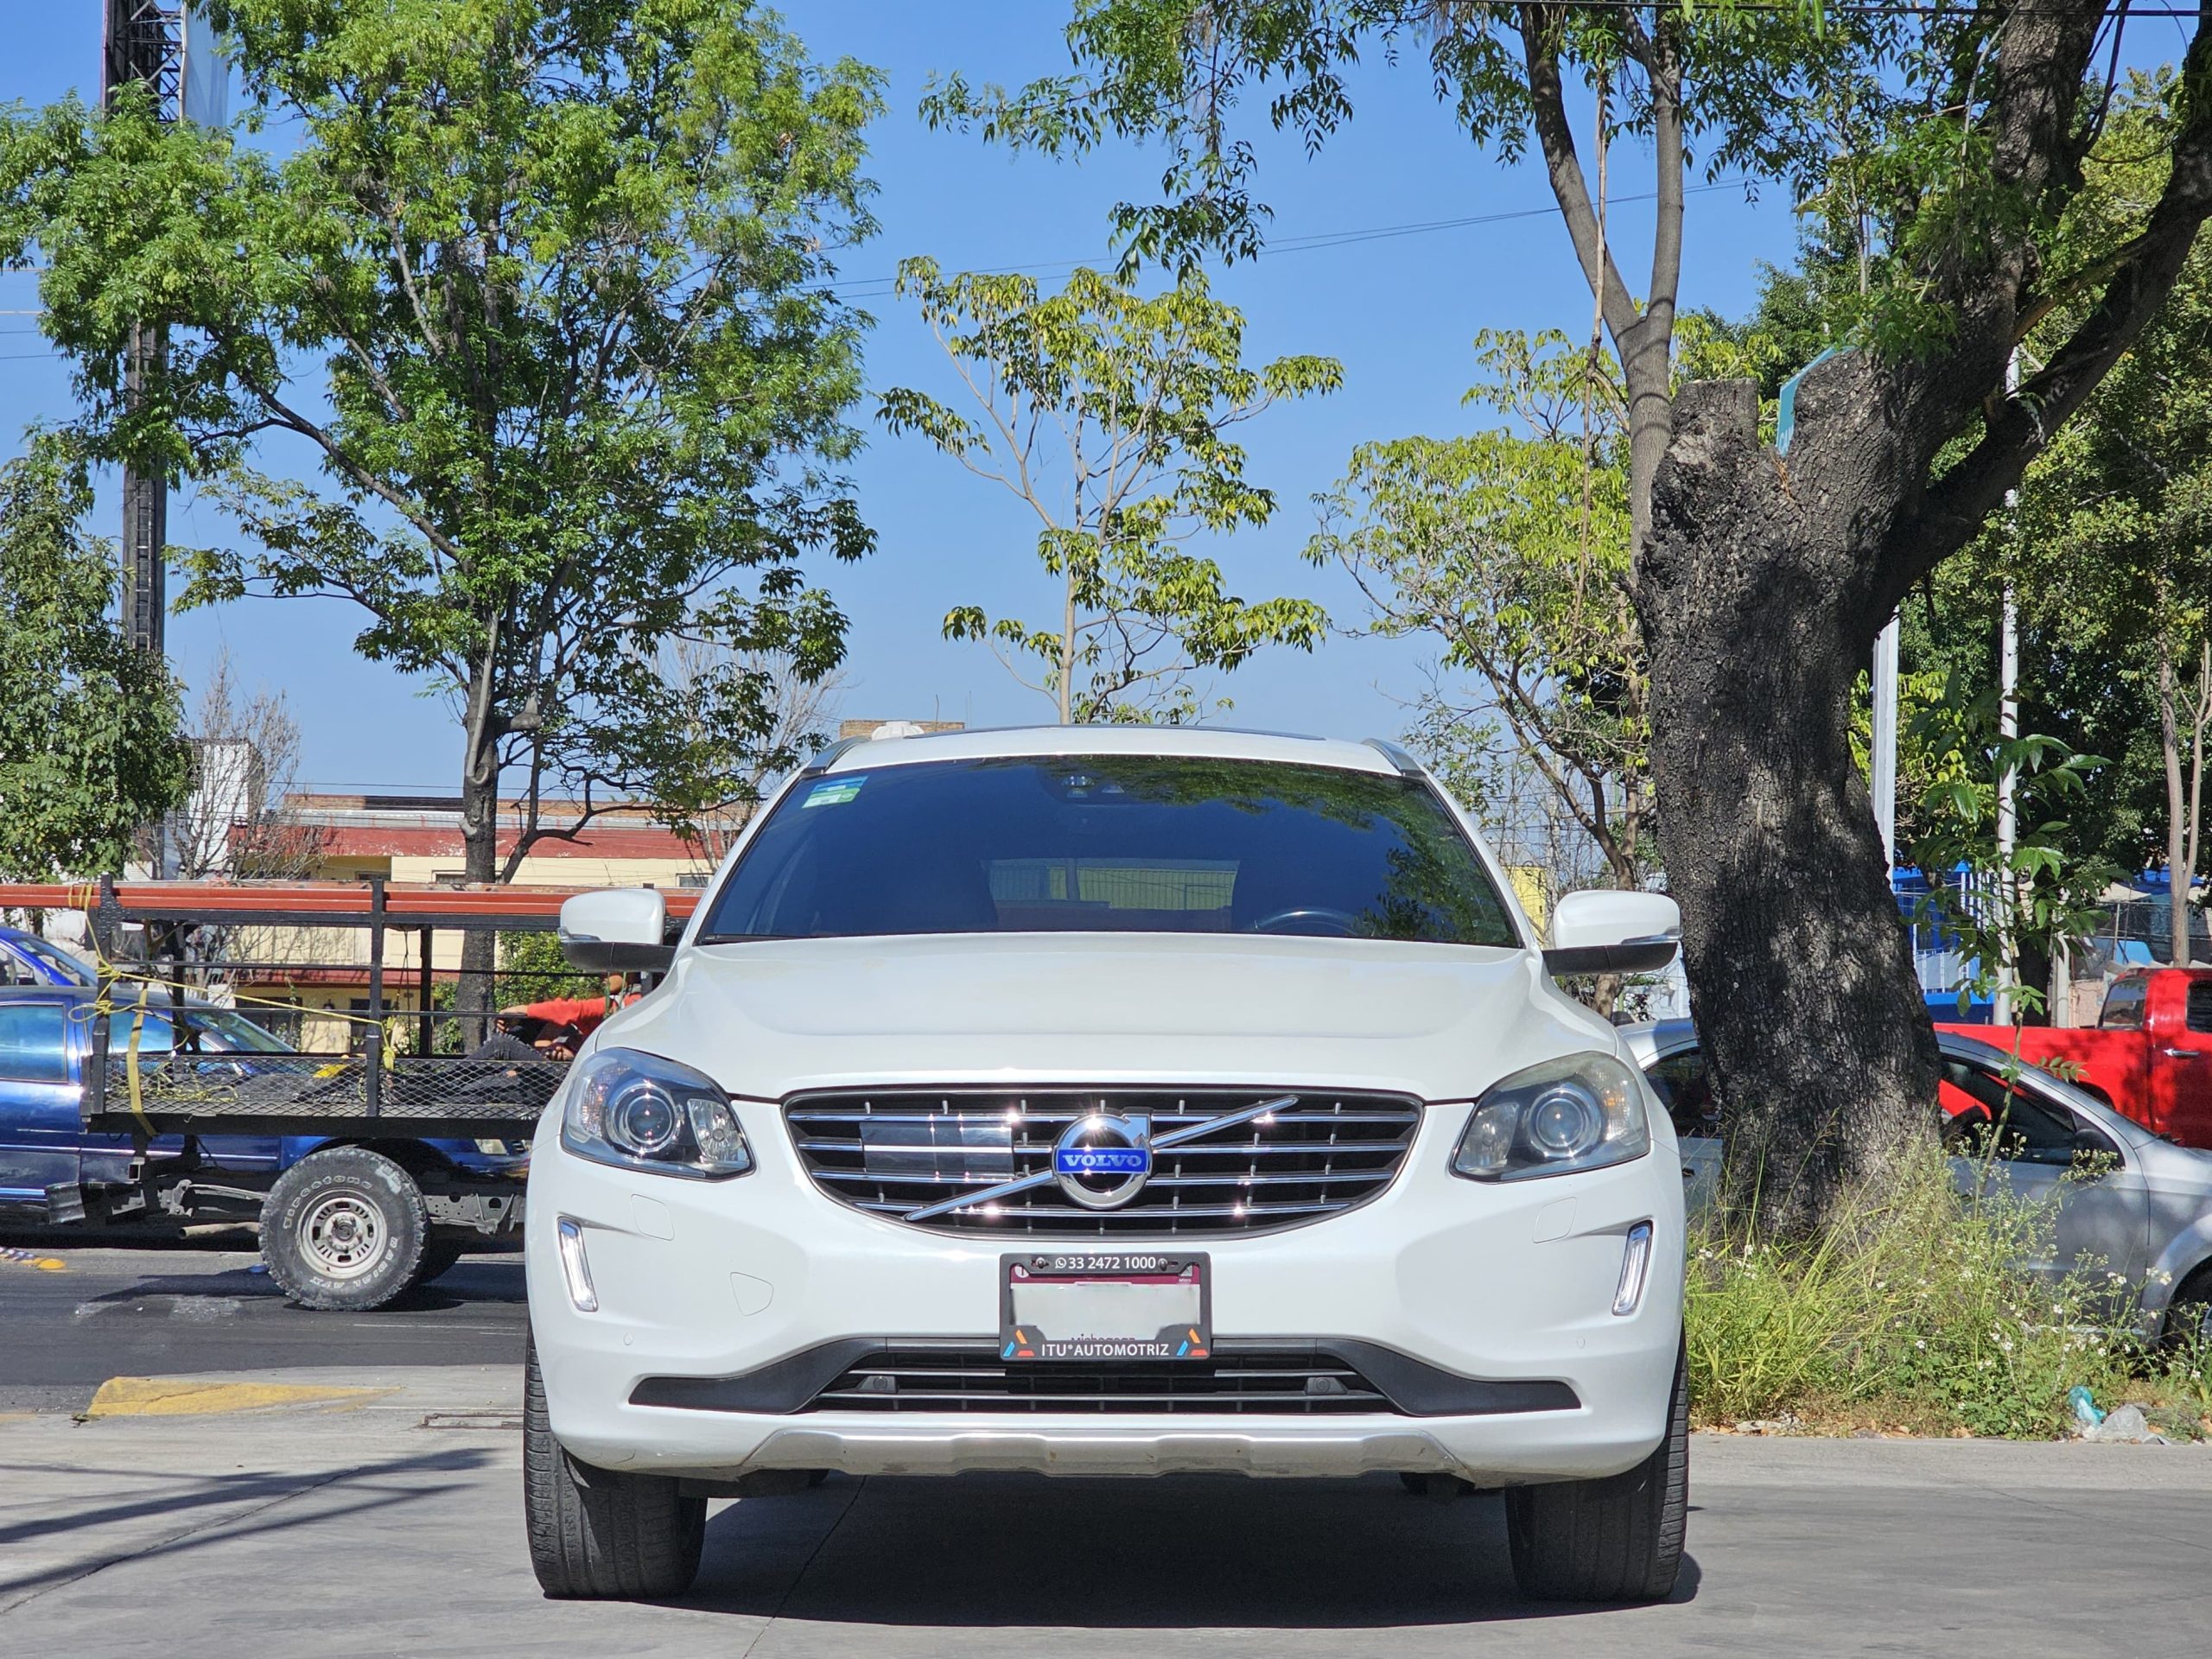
<point x="1400" y="311"/>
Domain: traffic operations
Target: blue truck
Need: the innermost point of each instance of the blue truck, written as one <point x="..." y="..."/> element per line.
<point x="27" y="959"/>
<point x="354" y="1215"/>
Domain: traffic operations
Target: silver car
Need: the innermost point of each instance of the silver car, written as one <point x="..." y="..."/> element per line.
<point x="2139" y="1204"/>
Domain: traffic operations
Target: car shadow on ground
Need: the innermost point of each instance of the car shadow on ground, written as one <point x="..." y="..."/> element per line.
<point x="1189" y="1551"/>
<point x="494" y="1278"/>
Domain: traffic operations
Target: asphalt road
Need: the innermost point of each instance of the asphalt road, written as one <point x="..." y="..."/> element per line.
<point x="183" y="1308"/>
<point x="372" y="1531"/>
<point x="392" y="1524"/>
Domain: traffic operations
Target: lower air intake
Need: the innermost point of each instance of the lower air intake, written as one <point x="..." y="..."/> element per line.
<point x="924" y="1379"/>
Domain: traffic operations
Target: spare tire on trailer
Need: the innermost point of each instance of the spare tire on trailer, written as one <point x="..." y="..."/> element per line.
<point x="344" y="1230"/>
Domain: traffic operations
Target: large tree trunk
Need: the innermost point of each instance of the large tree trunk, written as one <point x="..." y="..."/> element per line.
<point x="479" y="839"/>
<point x="1759" y="611"/>
<point x="475" y="995"/>
<point x="1761" y="583"/>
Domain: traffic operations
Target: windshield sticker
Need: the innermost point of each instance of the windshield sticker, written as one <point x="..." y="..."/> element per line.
<point x="834" y="793"/>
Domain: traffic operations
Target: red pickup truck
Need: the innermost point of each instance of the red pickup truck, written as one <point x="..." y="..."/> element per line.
<point x="2150" y="1053"/>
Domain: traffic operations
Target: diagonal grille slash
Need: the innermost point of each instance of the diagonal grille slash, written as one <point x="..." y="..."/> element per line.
<point x="1160" y="1143"/>
<point x="979" y="1159"/>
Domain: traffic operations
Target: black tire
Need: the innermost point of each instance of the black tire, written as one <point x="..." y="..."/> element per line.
<point x="344" y="1230"/>
<point x="600" y="1533"/>
<point x="1617" y="1539"/>
<point x="438" y="1257"/>
<point x="2188" y="1316"/>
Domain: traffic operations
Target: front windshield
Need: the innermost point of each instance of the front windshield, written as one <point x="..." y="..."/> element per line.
<point x="69" y="968"/>
<point x="207" y="1031"/>
<point x="1119" y="844"/>
<point x="234" y="1033"/>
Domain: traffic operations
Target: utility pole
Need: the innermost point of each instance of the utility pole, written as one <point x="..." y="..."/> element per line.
<point x="2008" y="728"/>
<point x="1884" y="767"/>
<point x="1884" y="680"/>
<point x="143" y="45"/>
<point x="166" y="47"/>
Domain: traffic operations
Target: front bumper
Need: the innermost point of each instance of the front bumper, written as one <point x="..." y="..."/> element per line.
<point x="1510" y="1284"/>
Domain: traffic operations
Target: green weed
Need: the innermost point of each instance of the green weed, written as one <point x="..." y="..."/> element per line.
<point x="1913" y="1307"/>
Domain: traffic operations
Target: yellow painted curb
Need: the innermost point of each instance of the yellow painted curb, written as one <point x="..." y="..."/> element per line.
<point x="184" y="1396"/>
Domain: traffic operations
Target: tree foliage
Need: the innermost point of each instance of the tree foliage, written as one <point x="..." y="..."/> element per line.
<point x="1508" y="549"/>
<point x="90" y="746"/>
<point x="2107" y="548"/>
<point x="1952" y="141"/>
<point x="1995" y="906"/>
<point x="2111" y="544"/>
<point x="523" y="342"/>
<point x="1742" y="85"/>
<point x="1108" y="415"/>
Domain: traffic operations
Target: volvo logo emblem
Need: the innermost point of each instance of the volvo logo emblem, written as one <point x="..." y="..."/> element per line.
<point x="1102" y="1161"/>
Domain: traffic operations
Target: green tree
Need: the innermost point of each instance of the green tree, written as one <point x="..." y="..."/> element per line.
<point x="2111" y="543"/>
<point x="532" y="969"/>
<point x="1508" y="549"/>
<point x="2027" y="904"/>
<point x="1108" y="415"/>
<point x="2106" y="548"/>
<point x="539" y="297"/>
<point x="90" y="746"/>
<point x="1760" y="581"/>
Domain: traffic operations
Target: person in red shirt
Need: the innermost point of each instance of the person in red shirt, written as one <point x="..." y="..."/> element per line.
<point x="557" y="1026"/>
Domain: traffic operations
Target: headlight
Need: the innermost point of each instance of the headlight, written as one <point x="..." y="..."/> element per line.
<point x="1582" y="1112"/>
<point x="642" y="1112"/>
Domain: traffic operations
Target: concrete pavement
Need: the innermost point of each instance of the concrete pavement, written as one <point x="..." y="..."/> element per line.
<point x="354" y="1528"/>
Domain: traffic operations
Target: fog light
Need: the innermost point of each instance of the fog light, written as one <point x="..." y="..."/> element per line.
<point x="1636" y="1267"/>
<point x="577" y="1270"/>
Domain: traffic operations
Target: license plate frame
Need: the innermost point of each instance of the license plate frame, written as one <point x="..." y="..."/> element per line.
<point x="1093" y="1282"/>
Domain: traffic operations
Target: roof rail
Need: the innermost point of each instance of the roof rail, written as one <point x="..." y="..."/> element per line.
<point x="1397" y="757"/>
<point x="828" y="758"/>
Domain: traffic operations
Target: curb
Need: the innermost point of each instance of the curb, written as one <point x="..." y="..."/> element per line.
<point x="185" y="1396"/>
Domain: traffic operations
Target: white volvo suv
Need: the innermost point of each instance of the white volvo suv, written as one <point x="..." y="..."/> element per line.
<point x="1100" y="1101"/>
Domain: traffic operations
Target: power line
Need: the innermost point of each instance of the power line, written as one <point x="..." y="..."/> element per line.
<point x="1306" y="243"/>
<point x="876" y="287"/>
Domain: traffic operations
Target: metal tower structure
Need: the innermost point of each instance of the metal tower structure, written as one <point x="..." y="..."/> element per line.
<point x="143" y="44"/>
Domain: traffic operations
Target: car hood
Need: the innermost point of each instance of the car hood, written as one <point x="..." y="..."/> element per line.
<point x="1438" y="1021"/>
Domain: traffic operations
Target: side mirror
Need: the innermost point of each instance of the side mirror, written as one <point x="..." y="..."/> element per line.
<point x="2090" y="1154"/>
<point x="1608" y="932"/>
<point x="621" y="930"/>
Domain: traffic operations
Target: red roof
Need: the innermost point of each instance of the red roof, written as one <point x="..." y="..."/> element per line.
<point x="413" y="841"/>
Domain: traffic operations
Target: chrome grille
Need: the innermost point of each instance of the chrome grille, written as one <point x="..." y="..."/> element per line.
<point x="896" y="1152"/>
<point x="1290" y="1382"/>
